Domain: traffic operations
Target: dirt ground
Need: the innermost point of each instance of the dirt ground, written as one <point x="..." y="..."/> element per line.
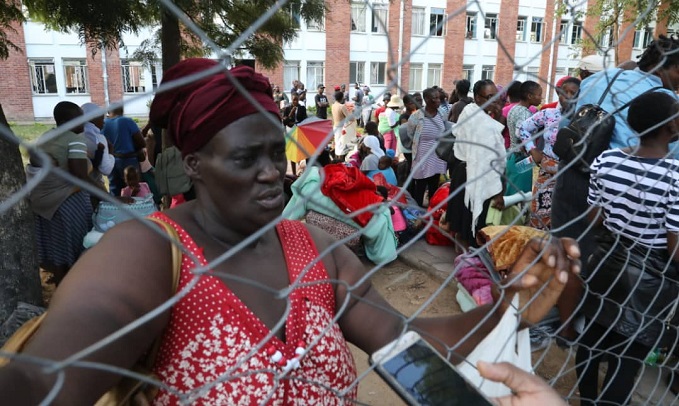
<point x="407" y="289"/>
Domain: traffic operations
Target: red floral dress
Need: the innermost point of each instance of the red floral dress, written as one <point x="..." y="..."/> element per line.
<point x="213" y="350"/>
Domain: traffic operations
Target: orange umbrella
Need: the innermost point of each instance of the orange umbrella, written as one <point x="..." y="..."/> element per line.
<point x="306" y="138"/>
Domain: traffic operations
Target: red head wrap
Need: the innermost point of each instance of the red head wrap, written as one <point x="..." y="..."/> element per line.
<point x="194" y="113"/>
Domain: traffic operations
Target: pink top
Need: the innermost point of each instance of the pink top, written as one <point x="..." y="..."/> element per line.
<point x="144" y="190"/>
<point x="213" y="336"/>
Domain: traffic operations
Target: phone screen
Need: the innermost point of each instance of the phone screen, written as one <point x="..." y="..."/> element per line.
<point x="429" y="379"/>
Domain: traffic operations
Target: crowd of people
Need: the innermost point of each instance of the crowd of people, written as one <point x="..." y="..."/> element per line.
<point x="380" y="165"/>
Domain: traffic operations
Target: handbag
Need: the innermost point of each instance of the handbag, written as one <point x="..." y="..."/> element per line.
<point x="589" y="132"/>
<point x="129" y="391"/>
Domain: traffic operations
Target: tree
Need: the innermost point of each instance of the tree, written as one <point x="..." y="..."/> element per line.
<point x="104" y="22"/>
<point x="19" y="272"/>
<point x="10" y="13"/>
<point x="613" y="15"/>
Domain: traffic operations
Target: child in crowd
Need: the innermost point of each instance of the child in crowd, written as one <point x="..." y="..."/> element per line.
<point x="134" y="187"/>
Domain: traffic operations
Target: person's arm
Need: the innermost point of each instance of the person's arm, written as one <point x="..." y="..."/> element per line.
<point x="126" y="275"/>
<point x="365" y="307"/>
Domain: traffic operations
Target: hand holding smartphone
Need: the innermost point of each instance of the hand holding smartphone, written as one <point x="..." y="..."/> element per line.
<point x="421" y="376"/>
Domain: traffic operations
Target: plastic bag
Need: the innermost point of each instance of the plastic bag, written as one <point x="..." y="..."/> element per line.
<point x="503" y="344"/>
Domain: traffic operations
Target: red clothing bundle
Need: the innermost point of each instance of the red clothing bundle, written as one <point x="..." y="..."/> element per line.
<point x="350" y="190"/>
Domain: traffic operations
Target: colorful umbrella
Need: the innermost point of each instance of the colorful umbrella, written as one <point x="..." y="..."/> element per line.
<point x="307" y="137"/>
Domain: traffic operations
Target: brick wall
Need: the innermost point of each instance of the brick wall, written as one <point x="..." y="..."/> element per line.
<point x="275" y="75"/>
<point x="625" y="44"/>
<point x="15" y="89"/>
<point x="548" y="78"/>
<point x="509" y="12"/>
<point x="453" y="53"/>
<point x="661" y="25"/>
<point x="393" y="27"/>
<point x="589" y="30"/>
<point x="337" y="32"/>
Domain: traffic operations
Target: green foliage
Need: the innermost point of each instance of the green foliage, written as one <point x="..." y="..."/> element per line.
<point x="9" y="12"/>
<point x="222" y="20"/>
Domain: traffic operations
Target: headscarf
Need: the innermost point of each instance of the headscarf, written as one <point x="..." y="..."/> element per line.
<point x="373" y="143"/>
<point x="195" y="112"/>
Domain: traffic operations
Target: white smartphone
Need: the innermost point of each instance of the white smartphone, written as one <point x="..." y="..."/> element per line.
<point x="421" y="376"/>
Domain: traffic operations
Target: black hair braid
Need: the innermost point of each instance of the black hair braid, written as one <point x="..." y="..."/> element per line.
<point x="662" y="52"/>
<point x="481" y="84"/>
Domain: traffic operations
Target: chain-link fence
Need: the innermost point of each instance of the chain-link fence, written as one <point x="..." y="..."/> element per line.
<point x="623" y="330"/>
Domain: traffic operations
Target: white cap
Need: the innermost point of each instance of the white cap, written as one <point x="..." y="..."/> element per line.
<point x="591" y="63"/>
<point x="90" y="107"/>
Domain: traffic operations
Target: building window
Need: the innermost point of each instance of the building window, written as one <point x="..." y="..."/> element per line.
<point x="290" y="73"/>
<point x="357" y="72"/>
<point x="156" y="74"/>
<point x="133" y="76"/>
<point x="487" y="72"/>
<point x="434" y="75"/>
<point x="606" y="38"/>
<point x="43" y="76"/>
<point x="358" y="17"/>
<point x="419" y="21"/>
<point x="521" y="28"/>
<point x="415" y="80"/>
<point x="536" y="29"/>
<point x="296" y="12"/>
<point x="563" y="31"/>
<point x="378" y="73"/>
<point x="642" y="38"/>
<point x="316" y="25"/>
<point x="490" y="27"/>
<point x="468" y="73"/>
<point x="576" y="33"/>
<point x="75" y="73"/>
<point x="437" y="22"/>
<point x="471" y="26"/>
<point x="314" y="74"/>
<point x="379" y="20"/>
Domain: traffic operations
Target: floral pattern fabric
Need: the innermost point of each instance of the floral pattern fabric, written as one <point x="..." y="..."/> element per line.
<point x="214" y="350"/>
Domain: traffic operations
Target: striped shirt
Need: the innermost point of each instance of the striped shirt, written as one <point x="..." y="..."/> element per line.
<point x="639" y="196"/>
<point x="432" y="129"/>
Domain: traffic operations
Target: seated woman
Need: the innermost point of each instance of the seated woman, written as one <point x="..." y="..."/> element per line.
<point x="632" y="275"/>
<point x="227" y="339"/>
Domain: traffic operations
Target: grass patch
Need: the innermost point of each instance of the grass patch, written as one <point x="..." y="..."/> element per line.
<point x="29" y="133"/>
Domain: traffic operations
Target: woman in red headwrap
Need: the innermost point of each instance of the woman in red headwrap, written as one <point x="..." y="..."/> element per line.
<point x="265" y="324"/>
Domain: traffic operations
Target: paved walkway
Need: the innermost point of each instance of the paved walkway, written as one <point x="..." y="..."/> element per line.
<point x="438" y="262"/>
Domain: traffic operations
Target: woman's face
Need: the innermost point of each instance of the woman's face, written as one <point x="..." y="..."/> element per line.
<point x="486" y="93"/>
<point x="567" y="94"/>
<point x="241" y="172"/>
<point x="535" y="98"/>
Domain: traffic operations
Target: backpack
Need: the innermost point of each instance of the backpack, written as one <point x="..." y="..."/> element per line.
<point x="589" y="133"/>
<point x="170" y="176"/>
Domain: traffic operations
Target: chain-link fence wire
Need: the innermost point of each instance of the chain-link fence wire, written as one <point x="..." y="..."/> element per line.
<point x="560" y="364"/>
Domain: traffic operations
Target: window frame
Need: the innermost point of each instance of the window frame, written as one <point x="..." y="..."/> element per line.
<point x="471" y="25"/>
<point x="288" y="66"/>
<point x="375" y="26"/>
<point x="468" y="73"/>
<point x="537" y="30"/>
<point x="522" y="32"/>
<point x="376" y="80"/>
<point x="129" y="64"/>
<point x="490" y="22"/>
<point x="438" y="19"/>
<point x="563" y="31"/>
<point x="434" y="69"/>
<point x="412" y="86"/>
<point x="79" y="64"/>
<point x="360" y="8"/>
<point x="359" y="72"/>
<point x="422" y="14"/>
<point x="314" y="79"/>
<point x="316" y="26"/>
<point x="575" y="28"/>
<point x="484" y="72"/>
<point x="33" y="64"/>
